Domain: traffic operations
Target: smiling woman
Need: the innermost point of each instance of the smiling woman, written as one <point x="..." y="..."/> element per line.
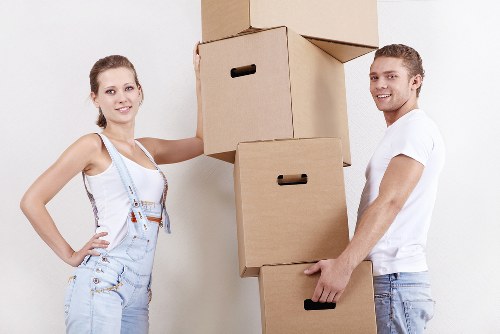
<point x="110" y="290"/>
<point x="105" y="69"/>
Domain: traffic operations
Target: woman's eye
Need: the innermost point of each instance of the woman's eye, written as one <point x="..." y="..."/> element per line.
<point x="110" y="91"/>
<point x="129" y="88"/>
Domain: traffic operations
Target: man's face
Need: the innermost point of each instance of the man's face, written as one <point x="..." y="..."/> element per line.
<point x="390" y="84"/>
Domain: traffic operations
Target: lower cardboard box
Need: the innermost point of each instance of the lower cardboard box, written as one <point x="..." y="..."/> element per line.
<point x="284" y="290"/>
<point x="290" y="202"/>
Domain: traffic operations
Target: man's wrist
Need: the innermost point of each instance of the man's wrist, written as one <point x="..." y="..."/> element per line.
<point x="348" y="261"/>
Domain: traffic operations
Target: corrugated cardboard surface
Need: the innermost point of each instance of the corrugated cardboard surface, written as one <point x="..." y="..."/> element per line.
<point x="351" y="22"/>
<point x="222" y="18"/>
<point x="251" y="107"/>
<point x="291" y="223"/>
<point x="259" y="106"/>
<point x="317" y="83"/>
<point x="284" y="288"/>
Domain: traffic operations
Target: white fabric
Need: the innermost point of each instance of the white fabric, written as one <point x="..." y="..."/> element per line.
<point x="402" y="248"/>
<point x="112" y="202"/>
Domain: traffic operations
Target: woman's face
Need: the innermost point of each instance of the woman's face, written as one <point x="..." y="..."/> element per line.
<point x="118" y="95"/>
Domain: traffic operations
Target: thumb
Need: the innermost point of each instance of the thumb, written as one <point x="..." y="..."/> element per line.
<point x="313" y="269"/>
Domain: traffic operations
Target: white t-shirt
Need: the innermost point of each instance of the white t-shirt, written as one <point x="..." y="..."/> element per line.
<point x="402" y="248"/>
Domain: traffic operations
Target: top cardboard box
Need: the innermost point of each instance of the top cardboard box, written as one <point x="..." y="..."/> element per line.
<point x="344" y="29"/>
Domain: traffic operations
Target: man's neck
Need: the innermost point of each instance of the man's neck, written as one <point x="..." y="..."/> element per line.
<point x="392" y="116"/>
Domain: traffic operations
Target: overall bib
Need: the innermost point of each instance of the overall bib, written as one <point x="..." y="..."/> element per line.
<point x="110" y="293"/>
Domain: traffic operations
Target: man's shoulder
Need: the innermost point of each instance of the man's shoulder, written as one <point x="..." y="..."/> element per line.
<point x="419" y="123"/>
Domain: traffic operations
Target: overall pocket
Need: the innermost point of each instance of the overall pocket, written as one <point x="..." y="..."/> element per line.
<point x="138" y="248"/>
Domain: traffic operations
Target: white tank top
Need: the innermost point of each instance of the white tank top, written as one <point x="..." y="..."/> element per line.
<point x="112" y="202"/>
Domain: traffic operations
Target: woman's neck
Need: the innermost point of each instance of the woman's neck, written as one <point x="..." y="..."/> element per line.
<point x="120" y="132"/>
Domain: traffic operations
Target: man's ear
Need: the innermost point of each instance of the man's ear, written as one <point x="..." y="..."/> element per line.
<point x="416" y="81"/>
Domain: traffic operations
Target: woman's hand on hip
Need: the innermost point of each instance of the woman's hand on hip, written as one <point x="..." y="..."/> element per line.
<point x="88" y="249"/>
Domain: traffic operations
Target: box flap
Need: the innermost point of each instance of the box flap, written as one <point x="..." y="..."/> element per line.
<point x="341" y="51"/>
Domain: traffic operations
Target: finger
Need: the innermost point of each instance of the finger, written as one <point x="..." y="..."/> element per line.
<point x="99" y="244"/>
<point x="100" y="234"/>
<point x="317" y="292"/>
<point x="330" y="297"/>
<point x="324" y="295"/>
<point x="337" y="296"/>
<point x="93" y="252"/>
<point x="313" y="269"/>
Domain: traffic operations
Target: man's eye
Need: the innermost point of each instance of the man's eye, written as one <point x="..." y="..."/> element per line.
<point x="373" y="78"/>
<point x="110" y="91"/>
<point x="392" y="76"/>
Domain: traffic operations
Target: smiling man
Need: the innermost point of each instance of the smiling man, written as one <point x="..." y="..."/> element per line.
<point x="397" y="202"/>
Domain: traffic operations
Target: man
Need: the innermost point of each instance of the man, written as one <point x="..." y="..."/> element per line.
<point x="396" y="205"/>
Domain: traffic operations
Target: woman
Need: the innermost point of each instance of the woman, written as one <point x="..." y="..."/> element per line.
<point x="110" y="289"/>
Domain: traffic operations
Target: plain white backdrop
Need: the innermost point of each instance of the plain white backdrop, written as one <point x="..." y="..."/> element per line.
<point x="46" y="51"/>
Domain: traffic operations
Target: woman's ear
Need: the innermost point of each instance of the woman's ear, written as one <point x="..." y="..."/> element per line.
<point x="93" y="96"/>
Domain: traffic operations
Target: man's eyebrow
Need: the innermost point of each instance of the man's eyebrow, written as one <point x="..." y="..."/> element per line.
<point x="386" y="72"/>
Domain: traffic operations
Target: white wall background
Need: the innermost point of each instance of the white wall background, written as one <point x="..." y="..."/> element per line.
<point x="47" y="49"/>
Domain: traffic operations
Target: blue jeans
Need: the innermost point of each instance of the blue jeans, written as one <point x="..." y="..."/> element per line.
<point x="403" y="302"/>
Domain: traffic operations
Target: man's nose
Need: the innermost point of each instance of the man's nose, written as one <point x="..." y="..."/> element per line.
<point x="381" y="84"/>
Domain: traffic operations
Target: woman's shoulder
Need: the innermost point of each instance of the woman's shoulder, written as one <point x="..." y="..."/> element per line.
<point x="149" y="144"/>
<point x="89" y="143"/>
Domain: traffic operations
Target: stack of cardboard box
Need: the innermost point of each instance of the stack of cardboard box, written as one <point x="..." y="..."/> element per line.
<point x="274" y="104"/>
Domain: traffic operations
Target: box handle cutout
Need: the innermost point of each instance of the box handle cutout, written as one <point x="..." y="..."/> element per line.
<point x="243" y="70"/>
<point x="287" y="180"/>
<point x="309" y="305"/>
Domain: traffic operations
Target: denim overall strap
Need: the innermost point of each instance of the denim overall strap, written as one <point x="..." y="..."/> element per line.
<point x="92" y="201"/>
<point x="165" y="188"/>
<point x="127" y="183"/>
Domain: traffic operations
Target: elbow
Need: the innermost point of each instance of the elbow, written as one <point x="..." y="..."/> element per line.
<point x="24" y="203"/>
<point x="393" y="206"/>
<point x="27" y="203"/>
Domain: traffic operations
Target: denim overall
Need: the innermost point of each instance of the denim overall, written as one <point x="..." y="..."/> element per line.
<point x="110" y="293"/>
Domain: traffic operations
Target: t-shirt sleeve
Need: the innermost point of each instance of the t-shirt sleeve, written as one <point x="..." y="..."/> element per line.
<point x="414" y="141"/>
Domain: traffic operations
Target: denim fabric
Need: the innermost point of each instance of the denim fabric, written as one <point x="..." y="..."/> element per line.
<point x="110" y="293"/>
<point x="403" y="302"/>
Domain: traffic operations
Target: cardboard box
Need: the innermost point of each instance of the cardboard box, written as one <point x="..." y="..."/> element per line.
<point x="273" y="84"/>
<point x="283" y="290"/>
<point x="290" y="202"/>
<point x="344" y="29"/>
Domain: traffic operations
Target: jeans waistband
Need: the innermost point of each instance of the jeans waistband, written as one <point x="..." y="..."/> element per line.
<point x="403" y="278"/>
